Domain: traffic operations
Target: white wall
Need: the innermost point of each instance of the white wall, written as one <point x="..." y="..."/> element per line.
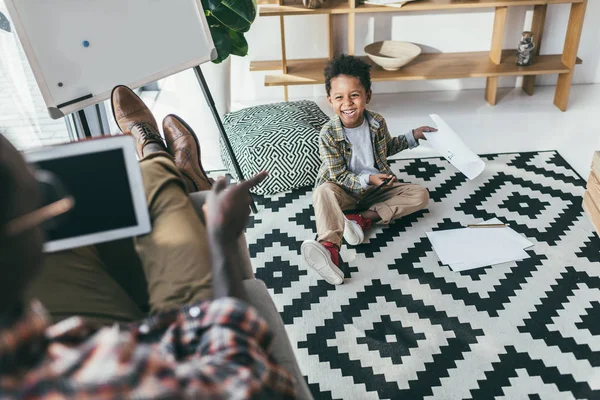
<point x="306" y="37"/>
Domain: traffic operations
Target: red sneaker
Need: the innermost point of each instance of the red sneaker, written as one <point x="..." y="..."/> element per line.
<point x="355" y="227"/>
<point x="334" y="251"/>
<point x="324" y="258"/>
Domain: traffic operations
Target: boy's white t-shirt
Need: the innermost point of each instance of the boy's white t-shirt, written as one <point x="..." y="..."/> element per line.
<point x="362" y="161"/>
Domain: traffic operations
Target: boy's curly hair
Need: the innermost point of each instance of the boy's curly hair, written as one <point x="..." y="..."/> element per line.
<point x="348" y="65"/>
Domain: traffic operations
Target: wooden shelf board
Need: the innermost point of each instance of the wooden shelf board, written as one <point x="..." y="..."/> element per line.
<point x="267" y="8"/>
<point x="427" y="66"/>
<point x="275" y="65"/>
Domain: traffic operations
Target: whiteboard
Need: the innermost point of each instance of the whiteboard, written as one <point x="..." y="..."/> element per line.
<point x="80" y="49"/>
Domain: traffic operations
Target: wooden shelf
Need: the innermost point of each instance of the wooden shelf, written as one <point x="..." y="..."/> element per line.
<point x="490" y="65"/>
<point x="426" y="66"/>
<point x="275" y="65"/>
<point x="342" y="7"/>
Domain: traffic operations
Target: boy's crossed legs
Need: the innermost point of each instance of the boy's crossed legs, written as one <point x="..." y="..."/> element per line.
<point x="331" y="200"/>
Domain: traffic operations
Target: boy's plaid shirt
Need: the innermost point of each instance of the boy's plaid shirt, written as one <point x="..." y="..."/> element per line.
<point x="336" y="151"/>
<point x="210" y="350"/>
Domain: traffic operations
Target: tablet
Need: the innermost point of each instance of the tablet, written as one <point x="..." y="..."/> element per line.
<point x="104" y="179"/>
<point x="371" y="193"/>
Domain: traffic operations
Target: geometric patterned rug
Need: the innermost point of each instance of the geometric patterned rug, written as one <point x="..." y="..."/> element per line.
<point x="404" y="326"/>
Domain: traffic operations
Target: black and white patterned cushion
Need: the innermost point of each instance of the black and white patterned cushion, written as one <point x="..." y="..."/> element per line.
<point x="281" y="138"/>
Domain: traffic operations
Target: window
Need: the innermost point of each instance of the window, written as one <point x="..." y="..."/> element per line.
<point x="24" y="119"/>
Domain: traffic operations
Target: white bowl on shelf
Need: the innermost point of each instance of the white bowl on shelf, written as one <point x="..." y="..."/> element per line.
<point x="391" y="55"/>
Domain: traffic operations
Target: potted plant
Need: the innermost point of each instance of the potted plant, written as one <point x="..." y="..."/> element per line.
<point x="228" y="21"/>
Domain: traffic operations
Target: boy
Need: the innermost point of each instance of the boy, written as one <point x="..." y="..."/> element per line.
<point x="354" y="146"/>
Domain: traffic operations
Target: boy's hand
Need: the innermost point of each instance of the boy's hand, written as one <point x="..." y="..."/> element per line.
<point x="376" y="180"/>
<point x="418" y="133"/>
<point x="227" y="209"/>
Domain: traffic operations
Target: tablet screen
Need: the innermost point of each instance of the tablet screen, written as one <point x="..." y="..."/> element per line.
<point x="100" y="186"/>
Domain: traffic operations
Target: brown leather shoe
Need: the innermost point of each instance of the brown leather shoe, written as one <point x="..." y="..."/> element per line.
<point x="183" y="145"/>
<point x="135" y="119"/>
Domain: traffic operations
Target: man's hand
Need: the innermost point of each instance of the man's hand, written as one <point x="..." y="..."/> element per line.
<point x="227" y="209"/>
<point x="376" y="180"/>
<point x="226" y="214"/>
<point x="419" y="132"/>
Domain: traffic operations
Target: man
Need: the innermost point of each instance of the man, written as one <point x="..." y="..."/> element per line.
<point x="202" y="340"/>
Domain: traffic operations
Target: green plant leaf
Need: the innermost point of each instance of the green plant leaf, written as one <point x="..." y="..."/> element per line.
<point x="222" y="41"/>
<point x="234" y="14"/>
<point x="246" y="9"/>
<point x="239" y="43"/>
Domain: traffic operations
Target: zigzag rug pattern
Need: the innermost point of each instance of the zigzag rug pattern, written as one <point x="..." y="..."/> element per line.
<point x="404" y="326"/>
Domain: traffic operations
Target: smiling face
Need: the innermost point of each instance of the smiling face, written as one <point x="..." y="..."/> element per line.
<point x="349" y="98"/>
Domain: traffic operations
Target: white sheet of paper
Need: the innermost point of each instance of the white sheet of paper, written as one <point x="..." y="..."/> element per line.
<point x="525" y="243"/>
<point x="453" y="149"/>
<point x="465" y="244"/>
<point x="469" y="248"/>
<point x="513" y="256"/>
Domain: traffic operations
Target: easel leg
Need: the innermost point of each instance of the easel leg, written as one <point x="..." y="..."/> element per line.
<point x="215" y="113"/>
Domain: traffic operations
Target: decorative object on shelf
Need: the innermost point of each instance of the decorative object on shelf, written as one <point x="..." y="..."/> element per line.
<point x="387" y="3"/>
<point x="4" y="23"/>
<point x="525" y="50"/>
<point x="391" y="55"/>
<point x="312" y="3"/>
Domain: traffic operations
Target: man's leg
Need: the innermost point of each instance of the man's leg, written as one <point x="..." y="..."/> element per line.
<point x="77" y="282"/>
<point x="104" y="281"/>
<point x="125" y="267"/>
<point x="93" y="281"/>
<point x="399" y="200"/>
<point x="330" y="201"/>
<point x="175" y="255"/>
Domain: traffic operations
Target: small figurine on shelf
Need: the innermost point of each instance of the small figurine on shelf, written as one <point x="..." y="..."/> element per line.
<point x="525" y="50"/>
<point x="313" y="3"/>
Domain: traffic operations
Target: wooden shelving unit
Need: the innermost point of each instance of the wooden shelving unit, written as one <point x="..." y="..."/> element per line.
<point x="491" y="65"/>
<point x="268" y="8"/>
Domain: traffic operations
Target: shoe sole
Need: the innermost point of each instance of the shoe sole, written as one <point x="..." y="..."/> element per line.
<point x="189" y="128"/>
<point x="324" y="266"/>
<point x="112" y="106"/>
<point x="353" y="230"/>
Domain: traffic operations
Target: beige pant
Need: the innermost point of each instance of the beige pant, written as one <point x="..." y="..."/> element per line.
<point x="331" y="200"/>
<point x="116" y="281"/>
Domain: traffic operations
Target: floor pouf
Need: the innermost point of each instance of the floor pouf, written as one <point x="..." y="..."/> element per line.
<point x="281" y="138"/>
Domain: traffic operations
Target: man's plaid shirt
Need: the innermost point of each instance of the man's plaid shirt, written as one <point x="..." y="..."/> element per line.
<point x="336" y="151"/>
<point x="210" y="350"/>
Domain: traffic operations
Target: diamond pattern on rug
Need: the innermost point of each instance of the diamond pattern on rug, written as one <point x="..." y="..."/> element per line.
<point x="404" y="326"/>
<point x="590" y="319"/>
